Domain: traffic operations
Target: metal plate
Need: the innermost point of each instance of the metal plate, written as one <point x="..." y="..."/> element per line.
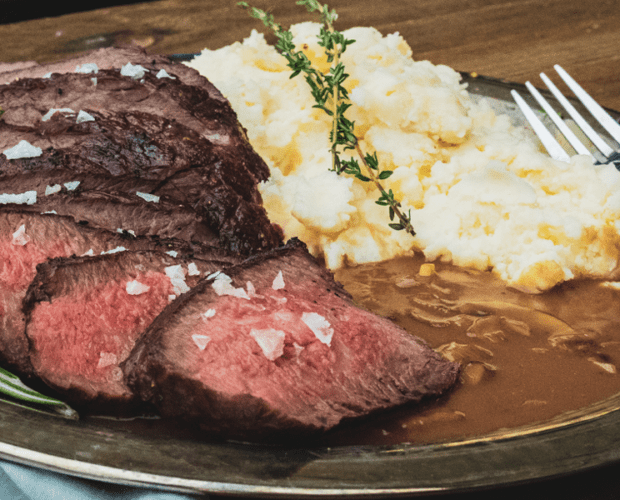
<point x="142" y="455"/>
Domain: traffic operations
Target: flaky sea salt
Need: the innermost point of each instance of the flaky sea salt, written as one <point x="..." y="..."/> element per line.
<point x="136" y="288"/>
<point x="20" y="238"/>
<point x="148" y="197"/>
<point x="53" y="111"/>
<point x="177" y="278"/>
<point x="134" y="71"/>
<point x="278" y="282"/>
<point x="83" y="116"/>
<point x="27" y="198"/>
<point x="23" y="149"/>
<point x="114" y="250"/>
<point x="162" y="73"/>
<point x="222" y="284"/>
<point x="209" y="313"/>
<point x="120" y="230"/>
<point x="271" y="342"/>
<point x="49" y="190"/>
<point x="72" y="186"/>
<point x="201" y="341"/>
<point x="319" y="325"/>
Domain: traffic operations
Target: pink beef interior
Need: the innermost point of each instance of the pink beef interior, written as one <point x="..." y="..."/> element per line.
<point x="28" y="238"/>
<point x="17" y="271"/>
<point x="293" y="358"/>
<point x="83" y="336"/>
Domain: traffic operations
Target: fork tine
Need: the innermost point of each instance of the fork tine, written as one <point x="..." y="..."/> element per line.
<point x="593" y="107"/>
<point x="602" y="146"/>
<point x="568" y="133"/>
<point x="551" y="145"/>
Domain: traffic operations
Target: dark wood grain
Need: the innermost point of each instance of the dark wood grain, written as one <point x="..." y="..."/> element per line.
<point x="508" y="39"/>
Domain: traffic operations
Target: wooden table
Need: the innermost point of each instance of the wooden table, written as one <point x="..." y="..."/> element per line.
<point x="507" y="39"/>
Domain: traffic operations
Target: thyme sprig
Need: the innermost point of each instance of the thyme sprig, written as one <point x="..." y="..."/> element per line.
<point x="332" y="97"/>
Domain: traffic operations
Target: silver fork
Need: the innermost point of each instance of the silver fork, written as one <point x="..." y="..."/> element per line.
<point x="607" y="153"/>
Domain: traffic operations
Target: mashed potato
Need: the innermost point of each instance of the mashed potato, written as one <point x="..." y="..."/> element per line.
<point x="481" y="193"/>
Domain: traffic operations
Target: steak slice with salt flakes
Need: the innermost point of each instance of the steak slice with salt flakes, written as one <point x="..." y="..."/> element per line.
<point x="275" y="345"/>
<point x="84" y="314"/>
<point x="29" y="238"/>
<point x="108" y="58"/>
<point x="151" y="132"/>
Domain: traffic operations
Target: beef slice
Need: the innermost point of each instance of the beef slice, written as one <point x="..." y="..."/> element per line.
<point x="83" y="315"/>
<point x="166" y="133"/>
<point x="275" y="346"/>
<point x="29" y="238"/>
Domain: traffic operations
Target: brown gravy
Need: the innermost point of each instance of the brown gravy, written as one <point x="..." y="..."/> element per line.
<point x="525" y="358"/>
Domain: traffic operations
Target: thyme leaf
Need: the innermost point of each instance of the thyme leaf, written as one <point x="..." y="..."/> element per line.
<point x="332" y="98"/>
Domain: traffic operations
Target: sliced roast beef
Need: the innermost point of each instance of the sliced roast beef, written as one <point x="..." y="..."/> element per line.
<point x="184" y="95"/>
<point x="143" y="132"/>
<point x="140" y="214"/>
<point x="84" y="314"/>
<point x="267" y="346"/>
<point x="108" y="58"/>
<point x="28" y="238"/>
<point x="275" y="345"/>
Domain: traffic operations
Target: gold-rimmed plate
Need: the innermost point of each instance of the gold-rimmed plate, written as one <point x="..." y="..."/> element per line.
<point x="139" y="453"/>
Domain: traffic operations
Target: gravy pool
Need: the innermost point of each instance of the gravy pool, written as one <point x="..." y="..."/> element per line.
<point x="525" y="358"/>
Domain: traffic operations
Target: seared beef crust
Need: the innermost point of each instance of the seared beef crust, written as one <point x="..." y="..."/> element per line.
<point x="110" y="58"/>
<point x="131" y="213"/>
<point x="157" y="134"/>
